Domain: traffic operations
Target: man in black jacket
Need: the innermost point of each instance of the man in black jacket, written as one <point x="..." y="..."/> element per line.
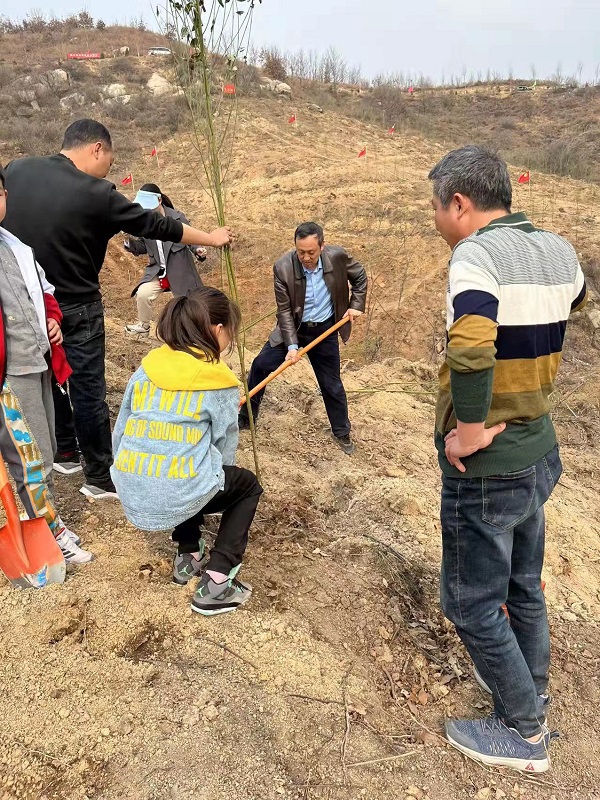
<point x="316" y="285"/>
<point x="62" y="207"/>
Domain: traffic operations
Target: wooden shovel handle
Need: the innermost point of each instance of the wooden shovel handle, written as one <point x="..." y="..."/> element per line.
<point x="302" y="352"/>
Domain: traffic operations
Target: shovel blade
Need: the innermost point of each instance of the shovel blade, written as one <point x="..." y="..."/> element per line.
<point x="45" y="562"/>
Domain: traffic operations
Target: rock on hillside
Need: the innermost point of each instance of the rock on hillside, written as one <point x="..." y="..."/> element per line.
<point x="158" y="85"/>
<point x="277" y="87"/>
<point x="58" y="80"/>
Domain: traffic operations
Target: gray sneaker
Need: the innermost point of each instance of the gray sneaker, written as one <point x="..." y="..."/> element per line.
<point x="213" y="598"/>
<point x="492" y="742"/>
<point x="186" y="567"/>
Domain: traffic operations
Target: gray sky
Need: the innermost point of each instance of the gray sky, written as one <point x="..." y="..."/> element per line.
<point x="435" y="37"/>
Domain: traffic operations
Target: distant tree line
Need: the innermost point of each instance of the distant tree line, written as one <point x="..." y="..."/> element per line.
<point x="331" y="67"/>
<point x="37" y="21"/>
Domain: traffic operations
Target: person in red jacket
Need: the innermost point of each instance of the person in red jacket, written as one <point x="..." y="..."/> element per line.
<point x="30" y="352"/>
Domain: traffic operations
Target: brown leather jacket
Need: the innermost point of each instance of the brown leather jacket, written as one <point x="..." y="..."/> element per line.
<point x="339" y="270"/>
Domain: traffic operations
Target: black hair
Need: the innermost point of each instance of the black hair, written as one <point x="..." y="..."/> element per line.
<point x="152" y="187"/>
<point x="185" y="322"/>
<point x="309" y="229"/>
<point x="2" y="178"/>
<point x="86" y="131"/>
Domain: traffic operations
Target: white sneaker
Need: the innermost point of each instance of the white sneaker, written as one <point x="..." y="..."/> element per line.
<point x="138" y="329"/>
<point x="71" y="534"/>
<point x="72" y="553"/>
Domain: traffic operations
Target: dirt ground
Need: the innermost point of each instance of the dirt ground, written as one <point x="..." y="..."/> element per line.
<point x="333" y="682"/>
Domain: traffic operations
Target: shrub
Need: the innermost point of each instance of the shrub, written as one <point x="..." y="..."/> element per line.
<point x="7" y="75"/>
<point x="34" y="136"/>
<point x="561" y="157"/>
<point x="273" y="64"/>
<point x="119" y="70"/>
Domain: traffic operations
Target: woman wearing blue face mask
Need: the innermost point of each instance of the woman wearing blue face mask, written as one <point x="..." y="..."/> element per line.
<point x="170" y="267"/>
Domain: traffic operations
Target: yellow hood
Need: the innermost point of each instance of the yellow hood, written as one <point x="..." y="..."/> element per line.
<point x="174" y="370"/>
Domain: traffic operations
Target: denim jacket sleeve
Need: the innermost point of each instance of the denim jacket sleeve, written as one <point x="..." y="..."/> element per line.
<point x="124" y="412"/>
<point x="224" y="431"/>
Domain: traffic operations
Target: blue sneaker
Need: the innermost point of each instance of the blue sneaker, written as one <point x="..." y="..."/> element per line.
<point x="492" y="742"/>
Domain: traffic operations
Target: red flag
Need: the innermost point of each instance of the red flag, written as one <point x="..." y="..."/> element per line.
<point x="127" y="179"/>
<point x="363" y="152"/>
<point x="392" y="129"/>
<point x="292" y="119"/>
<point x="154" y="152"/>
<point x="524" y="177"/>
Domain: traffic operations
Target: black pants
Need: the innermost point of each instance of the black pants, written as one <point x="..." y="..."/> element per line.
<point x="325" y="361"/>
<point x="83" y="416"/>
<point x="237" y="502"/>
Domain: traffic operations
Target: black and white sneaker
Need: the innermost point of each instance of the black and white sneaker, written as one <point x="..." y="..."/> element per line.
<point x="104" y="491"/>
<point x="72" y="553"/>
<point x="67" y="463"/>
<point x="71" y="534"/>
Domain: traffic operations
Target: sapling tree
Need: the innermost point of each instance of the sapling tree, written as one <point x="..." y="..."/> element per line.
<point x="210" y="43"/>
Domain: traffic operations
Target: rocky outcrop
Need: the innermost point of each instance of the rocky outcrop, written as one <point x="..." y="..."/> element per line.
<point x="58" y="80"/>
<point x="277" y="87"/>
<point x="113" y="90"/>
<point x="158" y="85"/>
<point x="71" y="101"/>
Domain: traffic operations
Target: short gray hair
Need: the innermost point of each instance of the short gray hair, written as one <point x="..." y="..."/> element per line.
<point x="479" y="174"/>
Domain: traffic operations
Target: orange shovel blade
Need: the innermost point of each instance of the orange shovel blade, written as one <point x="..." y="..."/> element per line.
<point x="29" y="554"/>
<point x="46" y="561"/>
<point x="44" y="564"/>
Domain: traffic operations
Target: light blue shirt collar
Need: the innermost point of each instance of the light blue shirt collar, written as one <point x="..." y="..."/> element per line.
<point x="316" y="269"/>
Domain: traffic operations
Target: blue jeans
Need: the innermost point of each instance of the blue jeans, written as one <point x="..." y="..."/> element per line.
<point x="493" y="551"/>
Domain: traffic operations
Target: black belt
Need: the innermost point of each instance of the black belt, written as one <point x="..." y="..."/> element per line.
<point x="326" y="324"/>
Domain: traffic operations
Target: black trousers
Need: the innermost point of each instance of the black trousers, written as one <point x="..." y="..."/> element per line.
<point x="237" y="502"/>
<point x="83" y="415"/>
<point x="325" y="361"/>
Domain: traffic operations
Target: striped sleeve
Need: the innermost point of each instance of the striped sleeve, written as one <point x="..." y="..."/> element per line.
<point x="472" y="329"/>
<point x="581" y="294"/>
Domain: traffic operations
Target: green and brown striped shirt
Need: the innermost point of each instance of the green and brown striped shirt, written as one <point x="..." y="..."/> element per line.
<point x="511" y="289"/>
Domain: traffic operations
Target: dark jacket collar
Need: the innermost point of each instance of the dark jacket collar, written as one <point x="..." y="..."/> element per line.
<point x="518" y="221"/>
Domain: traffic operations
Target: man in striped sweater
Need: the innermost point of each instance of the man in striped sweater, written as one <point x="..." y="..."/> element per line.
<point x="511" y="289"/>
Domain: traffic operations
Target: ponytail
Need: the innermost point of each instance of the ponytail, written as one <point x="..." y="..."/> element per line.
<point x="186" y="322"/>
<point x="152" y="187"/>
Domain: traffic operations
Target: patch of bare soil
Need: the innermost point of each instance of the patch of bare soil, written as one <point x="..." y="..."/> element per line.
<point x="335" y="679"/>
